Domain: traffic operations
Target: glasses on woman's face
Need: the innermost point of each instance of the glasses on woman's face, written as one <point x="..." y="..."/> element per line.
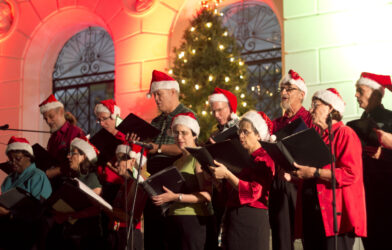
<point x="73" y="153"/>
<point x="182" y="133"/>
<point x="315" y="104"/>
<point x="103" y="119"/>
<point x="244" y="131"/>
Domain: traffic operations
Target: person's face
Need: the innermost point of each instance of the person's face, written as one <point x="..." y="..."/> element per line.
<point x="221" y="111"/>
<point x="363" y="94"/>
<point x="105" y="120"/>
<point x="290" y="95"/>
<point x="164" y="99"/>
<point x="183" y="136"/>
<point x="319" y="112"/>
<point x="18" y="161"/>
<point x="248" y="138"/>
<point x="75" y="158"/>
<point x="54" y="118"/>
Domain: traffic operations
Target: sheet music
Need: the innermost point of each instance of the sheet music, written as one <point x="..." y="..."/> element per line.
<point x="92" y="194"/>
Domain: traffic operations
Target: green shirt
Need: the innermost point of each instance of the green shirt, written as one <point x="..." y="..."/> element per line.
<point x="187" y="167"/>
<point x="90" y="179"/>
<point x="163" y="123"/>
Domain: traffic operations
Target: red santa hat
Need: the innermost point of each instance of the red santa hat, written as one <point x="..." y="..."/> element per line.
<point x="133" y="152"/>
<point x="376" y="82"/>
<point x="50" y="103"/>
<point x="19" y="143"/>
<point x="187" y="119"/>
<point x="107" y="106"/>
<point x="295" y="79"/>
<point x="161" y="80"/>
<point x="222" y="95"/>
<point x="261" y="122"/>
<point x="86" y="147"/>
<point x="332" y="97"/>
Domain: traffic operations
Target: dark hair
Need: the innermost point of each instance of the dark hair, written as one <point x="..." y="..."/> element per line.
<point x="334" y="114"/>
<point x="24" y="152"/>
<point x="85" y="166"/>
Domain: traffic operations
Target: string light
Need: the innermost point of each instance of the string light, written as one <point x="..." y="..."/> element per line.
<point x="185" y="60"/>
<point x="209" y="25"/>
<point x="192" y="29"/>
<point x="197" y="86"/>
<point x="242" y="95"/>
<point x="193" y="51"/>
<point x="203" y="112"/>
<point x="170" y="72"/>
<point x="244" y="104"/>
<point x="209" y="39"/>
<point x="232" y="59"/>
<point x="253" y="88"/>
<point x="227" y="79"/>
<point x="210" y="78"/>
<point x="181" y="55"/>
<point x="183" y="81"/>
<point x="241" y="63"/>
<point x="221" y="47"/>
<point x="241" y="77"/>
<point x="225" y="33"/>
<point x="237" y="88"/>
<point x="206" y="102"/>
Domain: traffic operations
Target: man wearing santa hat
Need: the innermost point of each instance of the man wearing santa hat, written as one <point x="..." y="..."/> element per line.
<point x="224" y="107"/>
<point x="377" y="170"/>
<point x="283" y="194"/>
<point x="166" y="92"/>
<point x="62" y="133"/>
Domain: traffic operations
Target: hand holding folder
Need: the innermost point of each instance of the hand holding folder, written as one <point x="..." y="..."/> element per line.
<point x="305" y="148"/>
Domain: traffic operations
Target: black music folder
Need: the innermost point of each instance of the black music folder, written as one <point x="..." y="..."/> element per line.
<point x="134" y="124"/>
<point x="21" y="204"/>
<point x="228" y="134"/>
<point x="43" y="160"/>
<point x="6" y="167"/>
<point x="106" y="143"/>
<point x="230" y="153"/>
<point x="305" y="148"/>
<point x="365" y="131"/>
<point x="169" y="177"/>
<point x="294" y="127"/>
<point x="74" y="195"/>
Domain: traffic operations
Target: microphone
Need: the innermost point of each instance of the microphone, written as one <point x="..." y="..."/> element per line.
<point x="142" y="144"/>
<point x="4" y="127"/>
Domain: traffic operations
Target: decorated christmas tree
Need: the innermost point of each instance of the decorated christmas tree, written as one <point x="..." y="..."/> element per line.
<point x="208" y="58"/>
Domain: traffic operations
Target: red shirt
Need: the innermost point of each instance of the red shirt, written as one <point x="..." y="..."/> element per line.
<point x="284" y="120"/>
<point x="254" y="183"/>
<point x="60" y="141"/>
<point x="350" y="194"/>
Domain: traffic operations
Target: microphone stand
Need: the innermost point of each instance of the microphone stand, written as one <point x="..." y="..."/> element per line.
<point x="333" y="180"/>
<point x="130" y="231"/>
<point x="6" y="127"/>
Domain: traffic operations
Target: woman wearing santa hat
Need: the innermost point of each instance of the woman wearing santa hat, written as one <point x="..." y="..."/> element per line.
<point x="85" y="233"/>
<point x="314" y="214"/>
<point x="190" y="221"/>
<point x="18" y="225"/>
<point x="246" y="225"/>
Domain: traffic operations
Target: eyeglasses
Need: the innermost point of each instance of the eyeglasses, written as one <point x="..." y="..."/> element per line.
<point x="246" y="132"/>
<point x="182" y="133"/>
<point x="15" y="159"/>
<point x="73" y="153"/>
<point x="103" y="119"/>
<point x="288" y="89"/>
<point x="315" y="104"/>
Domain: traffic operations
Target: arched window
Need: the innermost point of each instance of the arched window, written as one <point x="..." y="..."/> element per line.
<point x="257" y="31"/>
<point x="84" y="74"/>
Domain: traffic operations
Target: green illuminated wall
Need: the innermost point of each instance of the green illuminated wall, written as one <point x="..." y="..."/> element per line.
<point x="330" y="42"/>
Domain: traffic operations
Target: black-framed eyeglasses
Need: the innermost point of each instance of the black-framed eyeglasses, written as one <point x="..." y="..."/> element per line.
<point x="103" y="119"/>
<point x="288" y="89"/>
<point x="244" y="131"/>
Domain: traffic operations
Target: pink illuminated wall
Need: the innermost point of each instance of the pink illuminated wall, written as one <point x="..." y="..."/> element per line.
<point x="143" y="31"/>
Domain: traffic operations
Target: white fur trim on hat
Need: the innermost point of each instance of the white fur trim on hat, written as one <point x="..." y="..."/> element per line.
<point x="187" y="121"/>
<point x="126" y="149"/>
<point x="258" y="122"/>
<point x="299" y="83"/>
<point x="100" y="108"/>
<point x="335" y="101"/>
<point x="372" y="84"/>
<point x="49" y="106"/>
<point x="19" y="146"/>
<point x="155" y="86"/>
<point x="86" y="148"/>
<point x="218" y="97"/>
